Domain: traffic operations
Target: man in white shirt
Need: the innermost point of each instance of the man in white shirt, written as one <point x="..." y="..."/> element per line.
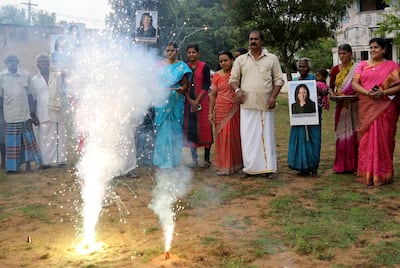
<point x="256" y="79"/>
<point x="51" y="131"/>
<point x="18" y="108"/>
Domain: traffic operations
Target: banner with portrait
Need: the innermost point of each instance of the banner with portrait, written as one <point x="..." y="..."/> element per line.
<point x="146" y="26"/>
<point x="62" y="49"/>
<point x="77" y="30"/>
<point x="303" y="102"/>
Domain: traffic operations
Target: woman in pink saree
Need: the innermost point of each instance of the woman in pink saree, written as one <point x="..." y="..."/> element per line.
<point x="225" y="113"/>
<point x="377" y="82"/>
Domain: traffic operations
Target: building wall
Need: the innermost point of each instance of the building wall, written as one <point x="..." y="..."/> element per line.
<point x="27" y="42"/>
<point x="358" y="28"/>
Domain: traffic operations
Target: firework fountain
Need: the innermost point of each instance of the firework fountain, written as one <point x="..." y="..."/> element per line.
<point x="110" y="90"/>
<point x="172" y="184"/>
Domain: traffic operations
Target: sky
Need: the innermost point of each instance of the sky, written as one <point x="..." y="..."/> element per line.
<point x="90" y="12"/>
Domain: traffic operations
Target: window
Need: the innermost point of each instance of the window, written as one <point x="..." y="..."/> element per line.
<point x="364" y="55"/>
<point x="369" y="5"/>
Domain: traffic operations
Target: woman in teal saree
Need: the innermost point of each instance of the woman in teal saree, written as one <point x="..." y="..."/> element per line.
<point x="169" y="112"/>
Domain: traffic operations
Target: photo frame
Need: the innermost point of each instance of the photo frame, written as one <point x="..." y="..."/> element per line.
<point x="303" y="102"/>
<point x="62" y="49"/>
<point x="77" y="30"/>
<point x="146" y="29"/>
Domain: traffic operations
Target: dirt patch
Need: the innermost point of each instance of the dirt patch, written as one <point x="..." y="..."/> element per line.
<point x="219" y="225"/>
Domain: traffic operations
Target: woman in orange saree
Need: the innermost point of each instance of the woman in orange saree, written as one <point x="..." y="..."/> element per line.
<point x="224" y="112"/>
<point x="377" y="82"/>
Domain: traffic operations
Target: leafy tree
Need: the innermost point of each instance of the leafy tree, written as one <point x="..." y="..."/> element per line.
<point x="391" y="22"/>
<point x="43" y="18"/>
<point x="289" y="25"/>
<point x="320" y="53"/>
<point x="181" y="21"/>
<point x="11" y="15"/>
<point x="121" y="20"/>
<point x="203" y="22"/>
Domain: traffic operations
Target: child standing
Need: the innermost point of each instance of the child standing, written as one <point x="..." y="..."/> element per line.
<point x="323" y="101"/>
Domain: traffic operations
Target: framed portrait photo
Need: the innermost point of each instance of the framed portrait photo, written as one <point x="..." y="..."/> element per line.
<point x="77" y="30"/>
<point x="303" y="102"/>
<point x="62" y="49"/>
<point x="146" y="26"/>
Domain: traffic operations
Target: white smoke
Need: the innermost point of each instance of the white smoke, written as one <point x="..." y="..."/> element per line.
<point x="171" y="184"/>
<point x="111" y="89"/>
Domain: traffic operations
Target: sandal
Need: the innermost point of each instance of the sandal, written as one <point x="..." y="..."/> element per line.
<point x="244" y="175"/>
<point x="131" y="175"/>
<point x="206" y="164"/>
<point x="192" y="165"/>
<point x="303" y="173"/>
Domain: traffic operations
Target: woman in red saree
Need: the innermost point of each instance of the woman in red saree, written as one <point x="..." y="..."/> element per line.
<point x="224" y="112"/>
<point x="197" y="129"/>
<point x="377" y="82"/>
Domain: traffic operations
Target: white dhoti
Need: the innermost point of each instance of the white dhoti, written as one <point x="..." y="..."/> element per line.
<point x="127" y="155"/>
<point x="258" y="141"/>
<point x="52" y="143"/>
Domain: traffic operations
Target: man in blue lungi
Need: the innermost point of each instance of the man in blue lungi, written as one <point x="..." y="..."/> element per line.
<point x="18" y="110"/>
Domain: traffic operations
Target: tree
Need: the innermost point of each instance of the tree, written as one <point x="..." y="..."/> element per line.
<point x="288" y="25"/>
<point x="391" y="22"/>
<point x="12" y="15"/>
<point x="43" y="18"/>
<point x="196" y="21"/>
<point x="121" y="20"/>
<point x="320" y="53"/>
<point x="180" y="21"/>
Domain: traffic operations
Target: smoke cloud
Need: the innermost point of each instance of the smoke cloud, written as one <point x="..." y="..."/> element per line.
<point x="171" y="184"/>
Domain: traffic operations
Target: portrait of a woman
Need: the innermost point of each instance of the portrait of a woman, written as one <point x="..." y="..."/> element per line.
<point x="303" y="103"/>
<point x="146" y="28"/>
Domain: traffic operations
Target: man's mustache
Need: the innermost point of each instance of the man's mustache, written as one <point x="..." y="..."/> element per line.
<point x="253" y="44"/>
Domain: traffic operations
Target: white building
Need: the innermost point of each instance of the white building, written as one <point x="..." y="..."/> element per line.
<point x="361" y="25"/>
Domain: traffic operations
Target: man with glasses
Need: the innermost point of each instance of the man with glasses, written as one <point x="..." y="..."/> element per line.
<point x="256" y="79"/>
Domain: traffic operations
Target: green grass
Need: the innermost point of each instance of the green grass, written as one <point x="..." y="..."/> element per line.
<point x="148" y="254"/>
<point x="36" y="211"/>
<point x="233" y="262"/>
<point x="150" y="230"/>
<point x="385" y="253"/>
<point x="333" y="221"/>
<point x="265" y="244"/>
<point x="207" y="240"/>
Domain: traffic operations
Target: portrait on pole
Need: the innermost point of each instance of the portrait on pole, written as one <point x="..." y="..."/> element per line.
<point x="62" y="48"/>
<point x="77" y="30"/>
<point x="146" y="26"/>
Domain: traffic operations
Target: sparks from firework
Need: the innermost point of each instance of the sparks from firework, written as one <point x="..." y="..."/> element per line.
<point x="171" y="184"/>
<point x="109" y="87"/>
